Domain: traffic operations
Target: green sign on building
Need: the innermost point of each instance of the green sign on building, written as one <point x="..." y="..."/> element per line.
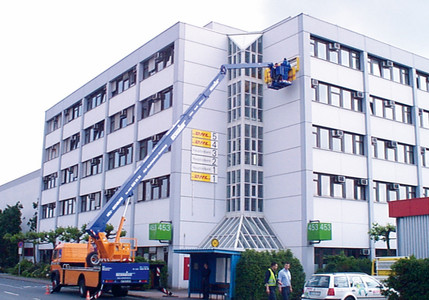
<point x="319" y="231"/>
<point x="160" y="231"/>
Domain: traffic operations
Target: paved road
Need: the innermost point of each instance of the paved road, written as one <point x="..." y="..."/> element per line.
<point x="19" y="288"/>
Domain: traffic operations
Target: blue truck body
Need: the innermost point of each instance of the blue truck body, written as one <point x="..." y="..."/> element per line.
<point x="124" y="273"/>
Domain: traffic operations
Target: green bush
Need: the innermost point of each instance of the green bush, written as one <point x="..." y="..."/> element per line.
<point x="28" y="269"/>
<point x="251" y="268"/>
<point x="342" y="263"/>
<point x="410" y="278"/>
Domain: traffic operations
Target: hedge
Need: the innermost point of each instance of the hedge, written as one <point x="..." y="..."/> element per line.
<point x="250" y="273"/>
<point x="410" y="278"/>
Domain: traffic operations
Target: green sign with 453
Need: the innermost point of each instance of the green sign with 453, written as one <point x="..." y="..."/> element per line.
<point x="160" y="231"/>
<point x="319" y="231"/>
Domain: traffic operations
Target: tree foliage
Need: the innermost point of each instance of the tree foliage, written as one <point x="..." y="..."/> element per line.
<point x="410" y="278"/>
<point x="343" y="263"/>
<point x="251" y="270"/>
<point x="378" y="232"/>
<point x="10" y="222"/>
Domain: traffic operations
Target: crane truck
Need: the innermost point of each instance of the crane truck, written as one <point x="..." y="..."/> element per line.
<point x="102" y="265"/>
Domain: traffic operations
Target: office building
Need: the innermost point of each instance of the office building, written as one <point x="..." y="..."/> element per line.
<point x="349" y="135"/>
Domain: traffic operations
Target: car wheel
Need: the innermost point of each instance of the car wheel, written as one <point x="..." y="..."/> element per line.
<point x="55" y="279"/>
<point x="82" y="287"/>
<point x="350" y="298"/>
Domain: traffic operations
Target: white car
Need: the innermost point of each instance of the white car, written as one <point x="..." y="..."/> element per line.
<point x="343" y="286"/>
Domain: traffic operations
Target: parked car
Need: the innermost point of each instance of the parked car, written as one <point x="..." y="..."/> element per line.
<point x="343" y="286"/>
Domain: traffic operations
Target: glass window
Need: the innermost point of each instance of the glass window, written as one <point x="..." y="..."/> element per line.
<point x="337" y="190"/>
<point x="323" y="93"/>
<point x="335" y="96"/>
<point x="321" y="50"/>
<point x="341" y="282"/>
<point x="345" y="58"/>
<point x="325" y="185"/>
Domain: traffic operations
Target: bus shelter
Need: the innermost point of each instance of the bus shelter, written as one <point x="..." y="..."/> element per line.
<point x="222" y="264"/>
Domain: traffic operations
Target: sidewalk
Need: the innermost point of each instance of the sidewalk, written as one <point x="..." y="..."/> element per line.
<point x="155" y="294"/>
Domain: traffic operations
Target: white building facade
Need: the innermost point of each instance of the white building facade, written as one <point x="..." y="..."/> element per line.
<point x="349" y="135"/>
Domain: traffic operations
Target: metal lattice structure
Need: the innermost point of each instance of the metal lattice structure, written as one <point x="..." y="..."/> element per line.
<point x="243" y="232"/>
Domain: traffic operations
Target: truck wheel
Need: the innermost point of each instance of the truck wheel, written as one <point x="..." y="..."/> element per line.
<point x="82" y="287"/>
<point x="119" y="291"/>
<point x="55" y="279"/>
<point x="92" y="260"/>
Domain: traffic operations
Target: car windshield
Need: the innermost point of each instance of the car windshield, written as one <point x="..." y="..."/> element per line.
<point x="318" y="281"/>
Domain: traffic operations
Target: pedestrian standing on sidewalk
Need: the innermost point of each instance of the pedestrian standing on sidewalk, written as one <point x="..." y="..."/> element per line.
<point x="285" y="284"/>
<point x="271" y="281"/>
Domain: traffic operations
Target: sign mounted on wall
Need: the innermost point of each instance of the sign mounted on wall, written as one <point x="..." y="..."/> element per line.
<point x="204" y="156"/>
<point x="160" y="231"/>
<point x="317" y="231"/>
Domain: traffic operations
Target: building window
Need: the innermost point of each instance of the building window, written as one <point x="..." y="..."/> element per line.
<point x="94" y="132"/>
<point x="53" y="124"/>
<point x="253" y="190"/>
<point x="388" y="70"/>
<point x="92" y="167"/>
<point x="422" y="81"/>
<point x="387" y="191"/>
<point x="120" y="157"/>
<point x="338" y="140"/>
<point x="109" y="193"/>
<point x="48" y="210"/>
<point x="157" y="102"/>
<point x="253" y="145"/>
<point x="146" y="146"/>
<point x="67" y="207"/>
<point x="50" y="181"/>
<point x="122" y="119"/>
<point x="335" y="53"/>
<point x="52" y="152"/>
<point x="234" y="145"/>
<point x="71" y="143"/>
<point x="90" y="202"/>
<point x="69" y="174"/>
<point x="390" y="110"/>
<point x="234" y="101"/>
<point x="158" y="62"/>
<point x="233" y="190"/>
<point x="253" y="101"/>
<point x="252" y="54"/>
<point x="123" y="82"/>
<point x="95" y="99"/>
<point x="337" y="186"/>
<point x="336" y="96"/>
<point x="73" y="112"/>
<point x="392" y="151"/>
<point x="153" y="189"/>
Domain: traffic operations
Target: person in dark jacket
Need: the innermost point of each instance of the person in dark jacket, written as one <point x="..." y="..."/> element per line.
<point x="271" y="281"/>
<point x="205" y="280"/>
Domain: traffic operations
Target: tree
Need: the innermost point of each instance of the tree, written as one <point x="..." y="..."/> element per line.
<point x="32" y="222"/>
<point x="10" y="222"/>
<point x="378" y="232"/>
<point x="110" y="234"/>
<point x="73" y="234"/>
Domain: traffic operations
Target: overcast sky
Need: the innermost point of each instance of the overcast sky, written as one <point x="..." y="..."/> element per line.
<point x="49" y="48"/>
